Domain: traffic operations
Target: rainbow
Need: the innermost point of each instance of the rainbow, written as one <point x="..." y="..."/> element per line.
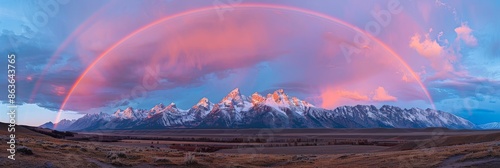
<point x="65" y="44"/>
<point x="263" y="6"/>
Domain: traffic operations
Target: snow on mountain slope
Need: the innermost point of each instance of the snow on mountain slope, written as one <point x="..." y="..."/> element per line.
<point x="130" y="114"/>
<point x="275" y="110"/>
<point x="91" y="122"/>
<point x="61" y="125"/>
<point x="202" y="108"/>
<point x="492" y="125"/>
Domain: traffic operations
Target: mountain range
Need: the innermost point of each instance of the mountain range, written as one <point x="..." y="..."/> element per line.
<point x="275" y="110"/>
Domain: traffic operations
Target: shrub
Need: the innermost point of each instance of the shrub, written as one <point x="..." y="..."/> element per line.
<point x="117" y="162"/>
<point x="115" y="155"/>
<point x="189" y="159"/>
<point x="24" y="150"/>
<point x="161" y="160"/>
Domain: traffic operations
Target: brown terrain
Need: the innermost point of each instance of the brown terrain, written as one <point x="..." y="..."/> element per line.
<point x="432" y="147"/>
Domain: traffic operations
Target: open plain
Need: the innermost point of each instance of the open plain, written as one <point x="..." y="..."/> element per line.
<point x="432" y="147"/>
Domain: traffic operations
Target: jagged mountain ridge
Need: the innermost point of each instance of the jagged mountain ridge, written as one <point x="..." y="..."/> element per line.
<point x="275" y="110"/>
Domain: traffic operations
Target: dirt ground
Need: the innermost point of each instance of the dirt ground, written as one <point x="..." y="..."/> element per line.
<point x="51" y="152"/>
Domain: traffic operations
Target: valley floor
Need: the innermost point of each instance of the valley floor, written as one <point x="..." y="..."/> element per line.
<point x="476" y="150"/>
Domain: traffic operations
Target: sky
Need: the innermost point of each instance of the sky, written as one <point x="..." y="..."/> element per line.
<point x="79" y="57"/>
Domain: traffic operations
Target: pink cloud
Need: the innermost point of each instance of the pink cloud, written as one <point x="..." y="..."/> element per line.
<point x="332" y="97"/>
<point x="352" y="95"/>
<point x="178" y="53"/>
<point x="382" y="95"/>
<point x="441" y="57"/>
<point x="464" y="33"/>
<point x="187" y="51"/>
<point x="428" y="48"/>
<point x="444" y="58"/>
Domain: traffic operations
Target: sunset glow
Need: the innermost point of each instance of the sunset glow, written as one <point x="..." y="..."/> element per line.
<point x="426" y="54"/>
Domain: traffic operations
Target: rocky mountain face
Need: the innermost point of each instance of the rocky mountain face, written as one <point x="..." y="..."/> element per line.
<point x="275" y="110"/>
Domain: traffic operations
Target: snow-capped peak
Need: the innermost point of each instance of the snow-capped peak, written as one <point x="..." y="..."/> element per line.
<point x="300" y="103"/>
<point x="157" y="109"/>
<point x="203" y="103"/>
<point x="256" y="98"/>
<point x="159" y="106"/>
<point x="95" y="116"/>
<point x="278" y="98"/>
<point x="117" y="113"/>
<point x="233" y="98"/>
<point x="129" y="113"/>
<point x="172" y="105"/>
<point x="235" y="91"/>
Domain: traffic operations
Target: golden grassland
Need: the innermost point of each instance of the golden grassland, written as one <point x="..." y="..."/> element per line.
<point x="52" y="152"/>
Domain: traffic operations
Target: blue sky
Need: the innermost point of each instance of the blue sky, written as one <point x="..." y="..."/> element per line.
<point x="90" y="56"/>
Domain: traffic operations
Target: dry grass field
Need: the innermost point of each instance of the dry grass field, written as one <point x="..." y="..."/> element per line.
<point x="481" y="150"/>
